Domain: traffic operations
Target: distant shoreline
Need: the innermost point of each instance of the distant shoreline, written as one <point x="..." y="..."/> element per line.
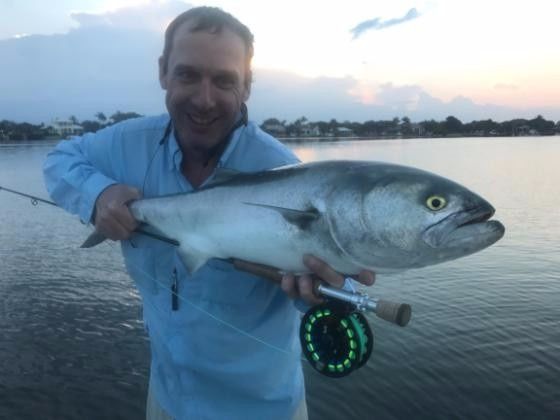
<point x="303" y="130"/>
<point x="324" y="139"/>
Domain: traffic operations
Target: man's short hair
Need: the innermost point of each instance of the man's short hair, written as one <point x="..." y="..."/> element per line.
<point x="213" y="20"/>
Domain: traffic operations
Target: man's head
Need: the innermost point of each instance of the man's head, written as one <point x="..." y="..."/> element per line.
<point x="206" y="70"/>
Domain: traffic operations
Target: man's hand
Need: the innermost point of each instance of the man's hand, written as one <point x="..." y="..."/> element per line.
<point x="304" y="286"/>
<point x="112" y="216"/>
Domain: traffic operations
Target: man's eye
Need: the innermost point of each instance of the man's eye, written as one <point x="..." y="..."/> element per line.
<point x="225" y="82"/>
<point x="187" y="76"/>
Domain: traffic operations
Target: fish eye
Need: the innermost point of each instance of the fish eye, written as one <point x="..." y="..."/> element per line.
<point x="436" y="202"/>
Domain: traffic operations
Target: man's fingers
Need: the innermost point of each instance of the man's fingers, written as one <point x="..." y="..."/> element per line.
<point x="131" y="194"/>
<point x="115" y="222"/>
<point x="119" y="210"/>
<point x="323" y="271"/>
<point x="289" y="286"/>
<point x="305" y="285"/>
<point x="123" y="216"/>
<point x="366" y="277"/>
<point x="112" y="215"/>
<point x="300" y="287"/>
<point x="112" y="229"/>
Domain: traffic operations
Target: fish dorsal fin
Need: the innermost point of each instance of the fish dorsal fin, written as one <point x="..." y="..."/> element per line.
<point x="222" y="175"/>
<point x="300" y="218"/>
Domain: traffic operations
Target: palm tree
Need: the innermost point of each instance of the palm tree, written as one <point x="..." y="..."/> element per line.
<point x="101" y="117"/>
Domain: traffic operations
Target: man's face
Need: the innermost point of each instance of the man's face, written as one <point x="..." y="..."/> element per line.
<point x="205" y="84"/>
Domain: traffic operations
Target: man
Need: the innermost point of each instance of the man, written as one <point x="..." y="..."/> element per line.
<point x="224" y="343"/>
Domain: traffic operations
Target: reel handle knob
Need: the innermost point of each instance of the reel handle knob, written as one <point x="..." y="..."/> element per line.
<point x="396" y="313"/>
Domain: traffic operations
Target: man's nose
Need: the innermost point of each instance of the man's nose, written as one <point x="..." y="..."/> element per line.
<point x="204" y="96"/>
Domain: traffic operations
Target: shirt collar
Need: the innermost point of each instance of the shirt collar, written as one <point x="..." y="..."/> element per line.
<point x="175" y="155"/>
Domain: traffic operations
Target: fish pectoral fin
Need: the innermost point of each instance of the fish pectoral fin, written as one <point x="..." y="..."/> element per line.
<point x="300" y="218"/>
<point x="94" y="239"/>
<point x="192" y="259"/>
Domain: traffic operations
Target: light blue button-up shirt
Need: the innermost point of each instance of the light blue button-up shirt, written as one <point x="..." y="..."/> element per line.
<point x="230" y="350"/>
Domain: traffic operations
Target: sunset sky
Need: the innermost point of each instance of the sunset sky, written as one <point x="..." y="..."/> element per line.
<point x="495" y="58"/>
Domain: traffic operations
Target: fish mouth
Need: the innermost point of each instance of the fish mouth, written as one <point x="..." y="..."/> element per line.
<point x="476" y="216"/>
<point x="470" y="230"/>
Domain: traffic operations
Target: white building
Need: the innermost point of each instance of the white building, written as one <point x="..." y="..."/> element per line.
<point x="310" y="131"/>
<point x="66" y="128"/>
<point x="344" y="132"/>
<point x="275" y="129"/>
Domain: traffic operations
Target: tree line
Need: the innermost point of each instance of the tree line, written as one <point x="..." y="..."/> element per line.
<point x="10" y="130"/>
<point x="302" y="127"/>
<point x="398" y="127"/>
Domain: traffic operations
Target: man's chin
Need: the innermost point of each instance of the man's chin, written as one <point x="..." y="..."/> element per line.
<point x="200" y="137"/>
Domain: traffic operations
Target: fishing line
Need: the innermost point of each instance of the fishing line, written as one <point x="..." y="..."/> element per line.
<point x="336" y="338"/>
<point x="209" y="314"/>
<point x="35" y="200"/>
<point x="243" y="121"/>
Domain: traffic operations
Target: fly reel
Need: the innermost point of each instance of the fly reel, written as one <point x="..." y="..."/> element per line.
<point x="335" y="338"/>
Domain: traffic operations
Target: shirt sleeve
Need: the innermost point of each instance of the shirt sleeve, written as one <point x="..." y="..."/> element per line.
<point x="78" y="170"/>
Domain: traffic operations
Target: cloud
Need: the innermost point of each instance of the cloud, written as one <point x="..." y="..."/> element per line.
<point x="154" y="16"/>
<point x="402" y="98"/>
<point x="378" y="24"/>
<point x="288" y="96"/>
<point x="107" y="63"/>
<point x="103" y="66"/>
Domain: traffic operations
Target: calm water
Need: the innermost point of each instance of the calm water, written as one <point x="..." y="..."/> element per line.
<point x="484" y="340"/>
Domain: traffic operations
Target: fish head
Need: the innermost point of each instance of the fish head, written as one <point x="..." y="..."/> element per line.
<point x="410" y="218"/>
<point x="427" y="219"/>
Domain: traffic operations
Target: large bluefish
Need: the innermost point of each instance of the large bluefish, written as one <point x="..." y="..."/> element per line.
<point x="352" y="214"/>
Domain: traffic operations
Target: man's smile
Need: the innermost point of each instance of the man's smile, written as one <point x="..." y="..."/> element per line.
<point x="201" y="121"/>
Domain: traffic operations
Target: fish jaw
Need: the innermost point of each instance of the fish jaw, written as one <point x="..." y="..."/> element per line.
<point x="464" y="232"/>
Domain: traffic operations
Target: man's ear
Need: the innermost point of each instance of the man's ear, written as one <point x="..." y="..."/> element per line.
<point x="246" y="92"/>
<point x="162" y="73"/>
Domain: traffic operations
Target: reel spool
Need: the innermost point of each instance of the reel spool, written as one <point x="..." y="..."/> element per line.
<point x="335" y="339"/>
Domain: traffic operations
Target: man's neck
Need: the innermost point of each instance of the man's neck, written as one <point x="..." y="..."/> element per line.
<point x="197" y="166"/>
<point x="199" y="163"/>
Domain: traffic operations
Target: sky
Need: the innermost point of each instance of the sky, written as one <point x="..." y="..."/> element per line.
<point x="352" y="60"/>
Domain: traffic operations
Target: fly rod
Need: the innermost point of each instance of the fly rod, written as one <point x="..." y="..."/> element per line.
<point x="335" y="336"/>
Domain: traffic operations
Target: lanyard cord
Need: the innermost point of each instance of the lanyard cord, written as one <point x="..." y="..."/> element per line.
<point x="163" y="139"/>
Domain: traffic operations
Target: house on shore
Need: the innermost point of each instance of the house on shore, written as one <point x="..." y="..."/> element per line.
<point x="277" y="130"/>
<point x="343" y="132"/>
<point x="65" y="128"/>
<point x="310" y="131"/>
